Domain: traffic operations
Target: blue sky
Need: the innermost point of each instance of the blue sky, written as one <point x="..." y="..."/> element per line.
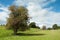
<point x="6" y="2"/>
<point x="55" y="5"/>
<point x="43" y="12"/>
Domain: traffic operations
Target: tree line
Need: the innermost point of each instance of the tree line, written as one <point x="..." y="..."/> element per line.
<point x="54" y="26"/>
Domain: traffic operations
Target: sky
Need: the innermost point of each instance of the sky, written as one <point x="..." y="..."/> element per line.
<point x="42" y="12"/>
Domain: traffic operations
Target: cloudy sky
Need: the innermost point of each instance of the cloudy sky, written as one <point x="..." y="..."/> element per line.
<point x="43" y="12"/>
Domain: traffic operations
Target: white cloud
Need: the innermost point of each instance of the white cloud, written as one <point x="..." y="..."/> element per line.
<point x="39" y="15"/>
<point x="26" y="2"/>
<point x="40" y="2"/>
<point x="3" y="14"/>
<point x="43" y="16"/>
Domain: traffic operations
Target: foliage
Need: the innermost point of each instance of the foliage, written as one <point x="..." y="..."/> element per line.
<point x="49" y="28"/>
<point x="58" y="27"/>
<point x="32" y="25"/>
<point x="18" y="18"/>
<point x="55" y="26"/>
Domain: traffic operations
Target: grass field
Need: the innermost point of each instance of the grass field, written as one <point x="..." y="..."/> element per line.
<point x="32" y="34"/>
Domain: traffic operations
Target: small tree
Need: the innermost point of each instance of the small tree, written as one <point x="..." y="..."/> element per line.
<point x="44" y="27"/>
<point x="49" y="28"/>
<point x="32" y="25"/>
<point x="55" y="26"/>
<point x="18" y="18"/>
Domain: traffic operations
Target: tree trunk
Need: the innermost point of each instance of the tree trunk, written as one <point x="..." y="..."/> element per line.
<point x="15" y="31"/>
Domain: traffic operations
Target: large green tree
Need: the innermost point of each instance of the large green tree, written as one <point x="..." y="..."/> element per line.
<point x="18" y="18"/>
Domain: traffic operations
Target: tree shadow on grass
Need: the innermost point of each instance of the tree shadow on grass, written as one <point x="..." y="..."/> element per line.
<point x="22" y="34"/>
<point x="26" y="34"/>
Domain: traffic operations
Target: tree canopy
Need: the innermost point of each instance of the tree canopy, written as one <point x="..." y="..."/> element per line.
<point x="32" y="25"/>
<point x="18" y="18"/>
<point x="55" y="26"/>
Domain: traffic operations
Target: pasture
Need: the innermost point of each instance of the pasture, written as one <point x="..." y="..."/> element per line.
<point x="32" y="34"/>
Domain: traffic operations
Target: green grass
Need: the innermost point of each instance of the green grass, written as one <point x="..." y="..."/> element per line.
<point x="32" y="34"/>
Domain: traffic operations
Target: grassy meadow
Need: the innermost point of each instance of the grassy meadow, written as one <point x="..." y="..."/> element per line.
<point x="32" y="34"/>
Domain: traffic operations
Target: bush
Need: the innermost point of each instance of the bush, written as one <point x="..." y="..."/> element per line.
<point x="32" y="25"/>
<point x="49" y="28"/>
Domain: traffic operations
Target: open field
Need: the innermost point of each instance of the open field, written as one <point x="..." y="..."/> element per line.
<point x="33" y="34"/>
